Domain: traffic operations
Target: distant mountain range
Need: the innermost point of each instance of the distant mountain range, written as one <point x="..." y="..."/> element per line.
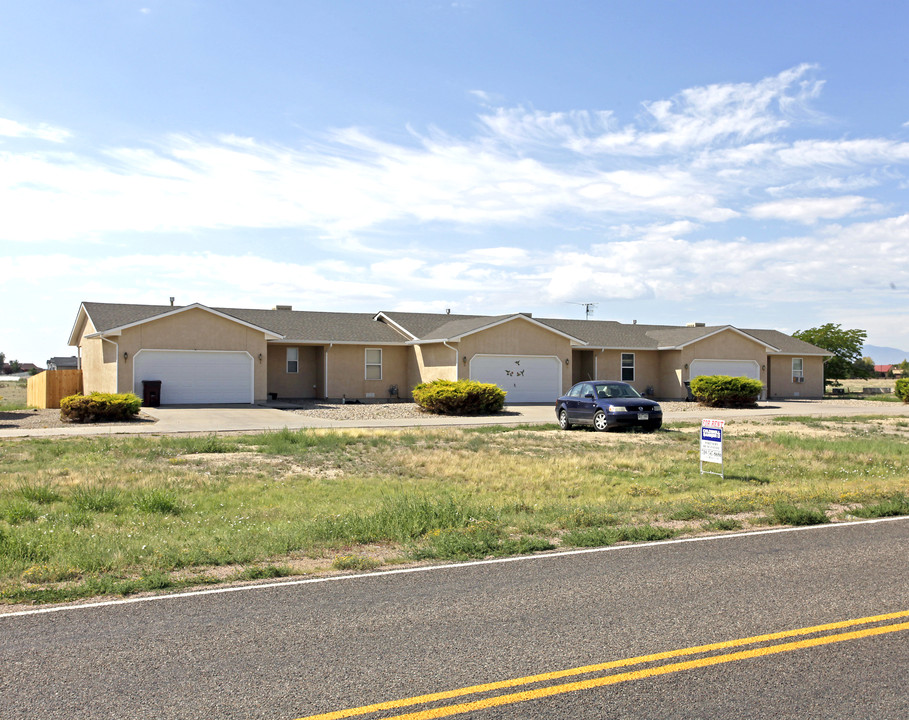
<point x="885" y="355"/>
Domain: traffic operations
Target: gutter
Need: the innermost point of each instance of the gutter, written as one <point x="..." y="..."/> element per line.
<point x="116" y="363"/>
<point x="325" y="372"/>
<point x="457" y="367"/>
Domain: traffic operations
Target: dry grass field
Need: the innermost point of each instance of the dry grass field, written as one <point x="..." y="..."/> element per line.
<point x="12" y="393"/>
<point x="82" y="517"/>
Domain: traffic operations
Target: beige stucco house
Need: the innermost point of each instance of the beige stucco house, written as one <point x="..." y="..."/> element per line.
<point x="205" y="355"/>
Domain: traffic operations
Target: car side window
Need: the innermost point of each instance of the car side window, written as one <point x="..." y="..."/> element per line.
<point x="575" y="391"/>
<point x="587" y="390"/>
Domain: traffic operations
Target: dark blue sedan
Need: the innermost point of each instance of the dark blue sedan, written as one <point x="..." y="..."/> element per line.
<point x="606" y="405"/>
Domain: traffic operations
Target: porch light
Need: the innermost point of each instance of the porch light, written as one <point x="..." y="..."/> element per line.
<point x="465" y="359"/>
<point x="125" y="355"/>
<point x="260" y="357"/>
<point x="566" y="361"/>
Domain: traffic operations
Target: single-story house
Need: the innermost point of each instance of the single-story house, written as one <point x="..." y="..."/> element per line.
<point x="63" y="363"/>
<point x="888" y="371"/>
<point x="206" y="355"/>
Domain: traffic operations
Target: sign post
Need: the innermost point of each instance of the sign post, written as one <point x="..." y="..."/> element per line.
<point x="712" y="445"/>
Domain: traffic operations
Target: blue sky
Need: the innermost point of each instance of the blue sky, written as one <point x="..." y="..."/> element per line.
<point x="740" y="163"/>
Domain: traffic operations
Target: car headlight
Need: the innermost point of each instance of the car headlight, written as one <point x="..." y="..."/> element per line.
<point x="615" y="408"/>
<point x="657" y="408"/>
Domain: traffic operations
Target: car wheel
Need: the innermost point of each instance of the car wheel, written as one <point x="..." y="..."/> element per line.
<point x="563" y="420"/>
<point x="600" y="422"/>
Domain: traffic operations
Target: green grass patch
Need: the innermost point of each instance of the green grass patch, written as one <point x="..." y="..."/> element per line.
<point x="354" y="562"/>
<point x="597" y="537"/>
<point x="785" y="513"/>
<point x="890" y="507"/>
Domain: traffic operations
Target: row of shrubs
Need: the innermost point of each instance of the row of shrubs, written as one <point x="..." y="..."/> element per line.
<point x="100" y="407"/>
<point x="445" y="397"/>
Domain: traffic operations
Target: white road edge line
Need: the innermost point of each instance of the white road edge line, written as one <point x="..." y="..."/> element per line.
<point x="432" y="568"/>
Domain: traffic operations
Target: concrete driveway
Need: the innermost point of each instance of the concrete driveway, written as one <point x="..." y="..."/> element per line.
<point x="247" y="418"/>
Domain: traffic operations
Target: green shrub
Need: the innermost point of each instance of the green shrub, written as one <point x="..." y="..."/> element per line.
<point x="463" y="397"/>
<point x="902" y="389"/>
<point x="725" y="391"/>
<point x="99" y="407"/>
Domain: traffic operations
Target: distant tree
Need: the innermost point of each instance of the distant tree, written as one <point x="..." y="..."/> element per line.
<point x="865" y="366"/>
<point x="2" y="361"/>
<point x="846" y="346"/>
<point x="14" y="366"/>
<point x="903" y="366"/>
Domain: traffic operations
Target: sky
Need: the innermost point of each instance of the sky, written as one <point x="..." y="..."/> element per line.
<point x="668" y="162"/>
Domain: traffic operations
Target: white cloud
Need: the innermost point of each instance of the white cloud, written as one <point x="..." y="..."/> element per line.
<point x="42" y="131"/>
<point x="810" y="210"/>
<point x="707" y="155"/>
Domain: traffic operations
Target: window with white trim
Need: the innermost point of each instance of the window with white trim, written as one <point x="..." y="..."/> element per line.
<point x="798" y="370"/>
<point x="373" y="363"/>
<point x="293" y="360"/>
<point x="627" y="367"/>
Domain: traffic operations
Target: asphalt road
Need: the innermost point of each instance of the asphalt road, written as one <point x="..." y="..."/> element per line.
<point x="317" y="647"/>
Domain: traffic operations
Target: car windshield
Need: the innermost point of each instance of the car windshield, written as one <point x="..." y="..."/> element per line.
<point x="617" y="390"/>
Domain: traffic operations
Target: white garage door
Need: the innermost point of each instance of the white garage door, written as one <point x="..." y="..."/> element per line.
<point x="525" y="378"/>
<point x="196" y="377"/>
<point x="733" y="368"/>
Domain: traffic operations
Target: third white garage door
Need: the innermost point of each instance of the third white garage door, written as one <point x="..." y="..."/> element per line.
<point x="526" y="378"/>
<point x="196" y="377"/>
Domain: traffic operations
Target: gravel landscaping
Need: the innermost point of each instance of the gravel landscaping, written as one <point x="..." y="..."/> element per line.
<point x="50" y="418"/>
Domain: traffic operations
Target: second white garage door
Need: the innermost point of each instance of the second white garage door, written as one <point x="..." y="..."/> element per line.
<point x="196" y="377"/>
<point x="525" y="378"/>
<point x="733" y="368"/>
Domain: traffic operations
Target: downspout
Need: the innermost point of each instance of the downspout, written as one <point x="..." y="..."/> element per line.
<point x="457" y="367"/>
<point x="116" y="364"/>
<point x="325" y="371"/>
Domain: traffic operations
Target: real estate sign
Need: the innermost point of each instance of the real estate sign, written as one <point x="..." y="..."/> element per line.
<point x="712" y="444"/>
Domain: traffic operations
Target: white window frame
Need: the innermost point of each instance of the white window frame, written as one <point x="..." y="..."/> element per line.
<point x="798" y="375"/>
<point x="373" y="364"/>
<point x="622" y="367"/>
<point x="293" y="356"/>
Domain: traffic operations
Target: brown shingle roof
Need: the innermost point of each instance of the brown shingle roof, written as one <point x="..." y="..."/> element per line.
<point x="341" y="327"/>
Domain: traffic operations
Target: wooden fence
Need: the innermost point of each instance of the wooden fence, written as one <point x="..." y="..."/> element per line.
<point x="45" y="390"/>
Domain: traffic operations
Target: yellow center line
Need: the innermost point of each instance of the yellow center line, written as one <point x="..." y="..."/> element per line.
<point x="622" y="677"/>
<point x="640" y="674"/>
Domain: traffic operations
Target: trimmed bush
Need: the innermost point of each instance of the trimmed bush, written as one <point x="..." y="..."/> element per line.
<point x="901" y="389"/>
<point x="99" y="407"/>
<point x="725" y="391"/>
<point x="464" y="397"/>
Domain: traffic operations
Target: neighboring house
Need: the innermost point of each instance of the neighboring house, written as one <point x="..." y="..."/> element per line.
<point x="888" y="371"/>
<point x="226" y="355"/>
<point x="24" y="370"/>
<point x="63" y="363"/>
